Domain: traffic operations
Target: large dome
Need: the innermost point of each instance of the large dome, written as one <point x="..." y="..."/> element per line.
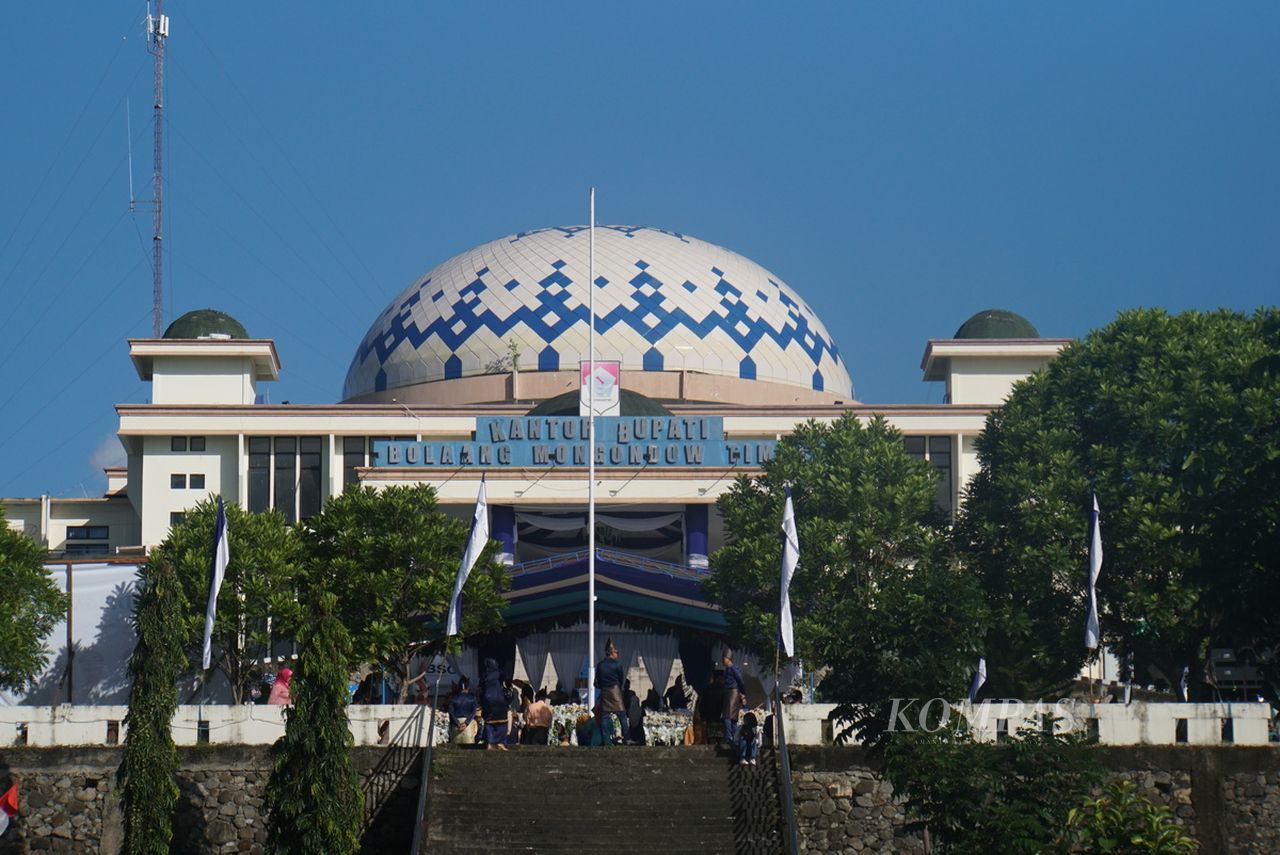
<point x="665" y="302"/>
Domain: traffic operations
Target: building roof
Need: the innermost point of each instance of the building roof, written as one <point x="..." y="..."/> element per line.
<point x="629" y="404"/>
<point x="664" y="302"/>
<point x="997" y="323"/>
<point x="204" y="323"/>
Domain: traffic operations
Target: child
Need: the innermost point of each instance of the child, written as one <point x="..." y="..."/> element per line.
<point x="748" y="740"/>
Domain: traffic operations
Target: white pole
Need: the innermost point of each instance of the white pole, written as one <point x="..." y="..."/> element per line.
<point x="591" y="451"/>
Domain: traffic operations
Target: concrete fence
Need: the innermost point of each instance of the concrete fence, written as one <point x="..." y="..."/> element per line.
<point x="807" y="724"/>
<point x="1113" y="724"/>
<point x="246" y="724"/>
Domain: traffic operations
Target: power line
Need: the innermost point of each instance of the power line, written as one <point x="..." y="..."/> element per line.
<point x="319" y="204"/>
<point x="58" y="154"/>
<point x="15" y="304"/>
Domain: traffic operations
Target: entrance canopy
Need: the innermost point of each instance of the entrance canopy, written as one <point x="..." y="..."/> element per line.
<point x="629" y="585"/>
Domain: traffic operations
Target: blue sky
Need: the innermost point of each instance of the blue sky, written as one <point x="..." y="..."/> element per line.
<point x="901" y="165"/>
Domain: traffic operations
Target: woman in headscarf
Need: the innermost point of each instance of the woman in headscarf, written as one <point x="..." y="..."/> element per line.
<point x="493" y="705"/>
<point x="280" y="688"/>
<point x="609" y="680"/>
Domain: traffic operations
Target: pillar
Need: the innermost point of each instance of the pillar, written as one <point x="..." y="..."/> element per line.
<point x="504" y="531"/>
<point x="695" y="535"/>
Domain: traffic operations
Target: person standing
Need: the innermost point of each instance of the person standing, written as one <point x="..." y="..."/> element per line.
<point x="493" y="705"/>
<point x="609" y="680"/>
<point x="635" y="715"/>
<point x="462" y="712"/>
<point x="537" y="719"/>
<point x="676" y="698"/>
<point x="280" y="688"/>
<point x="734" y="692"/>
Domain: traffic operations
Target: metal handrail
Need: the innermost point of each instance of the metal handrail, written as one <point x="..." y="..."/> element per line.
<point x="424" y="783"/>
<point x="400" y="754"/>
<point x="784" y="757"/>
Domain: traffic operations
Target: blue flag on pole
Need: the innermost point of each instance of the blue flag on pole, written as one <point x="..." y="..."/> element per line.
<point x="790" y="557"/>
<point x="475" y="545"/>
<point x="217" y="570"/>
<point x="979" y="677"/>
<point x="1091" y="631"/>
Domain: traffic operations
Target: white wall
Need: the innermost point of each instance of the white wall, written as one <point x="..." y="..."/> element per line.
<point x="988" y="379"/>
<point x="202" y="380"/>
<point x="218" y="463"/>
<point x="246" y="724"/>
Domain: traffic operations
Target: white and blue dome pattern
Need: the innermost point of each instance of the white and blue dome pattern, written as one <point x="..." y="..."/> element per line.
<point x="664" y="302"/>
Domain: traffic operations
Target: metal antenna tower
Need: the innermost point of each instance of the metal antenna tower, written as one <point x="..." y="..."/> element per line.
<point x="157" y="34"/>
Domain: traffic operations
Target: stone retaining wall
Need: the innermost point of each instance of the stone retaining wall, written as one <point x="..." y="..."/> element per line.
<point x="69" y="803"/>
<point x="1228" y="798"/>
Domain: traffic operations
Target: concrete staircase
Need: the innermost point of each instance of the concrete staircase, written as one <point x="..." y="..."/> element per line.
<point x="586" y="800"/>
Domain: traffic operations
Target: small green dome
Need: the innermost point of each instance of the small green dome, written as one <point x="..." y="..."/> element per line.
<point x="202" y="323"/>
<point x="996" y="323"/>
<point x="629" y="404"/>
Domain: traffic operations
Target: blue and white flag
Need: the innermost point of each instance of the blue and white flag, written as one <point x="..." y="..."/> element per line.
<point x="217" y="570"/>
<point x="979" y="677"/>
<point x="790" y="557"/>
<point x="475" y="545"/>
<point x="1091" y="632"/>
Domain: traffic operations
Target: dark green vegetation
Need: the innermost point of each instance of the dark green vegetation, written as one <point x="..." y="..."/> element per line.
<point x="1176" y="420"/>
<point x="30" y="608"/>
<point x="313" y="798"/>
<point x="391" y="559"/>
<point x="149" y="772"/>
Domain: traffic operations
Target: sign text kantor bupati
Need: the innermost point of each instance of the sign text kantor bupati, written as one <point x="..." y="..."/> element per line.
<point x="531" y="441"/>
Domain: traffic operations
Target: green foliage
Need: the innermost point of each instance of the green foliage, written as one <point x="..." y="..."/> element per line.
<point x="149" y="771"/>
<point x="260" y="585"/>
<point x="391" y="559"/>
<point x="1120" y="822"/>
<point x="30" y="608"/>
<point x="1175" y="418"/>
<point x="313" y="797"/>
<point x="977" y="798"/>
<point x="874" y="596"/>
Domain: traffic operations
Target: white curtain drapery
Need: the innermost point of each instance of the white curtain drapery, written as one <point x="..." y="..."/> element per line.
<point x="659" y="653"/>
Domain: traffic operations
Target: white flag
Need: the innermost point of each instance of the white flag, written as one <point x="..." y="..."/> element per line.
<point x="475" y="545"/>
<point x="217" y="569"/>
<point x="979" y="677"/>
<point x="1091" y="632"/>
<point x="790" y="557"/>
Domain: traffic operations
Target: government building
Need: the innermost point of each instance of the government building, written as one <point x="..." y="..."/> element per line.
<point x="476" y="370"/>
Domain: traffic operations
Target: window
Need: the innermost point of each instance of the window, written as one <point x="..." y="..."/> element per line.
<point x="352" y="458"/>
<point x="177" y="482"/>
<point x="177" y="518"/>
<point x="197" y="482"/>
<point x="186" y="443"/>
<point x="309" y="476"/>
<point x="936" y="450"/>
<point x="286" y="472"/>
<point x="88" y="532"/>
<point x="82" y="548"/>
<point x="197" y="443"/>
<point x="259" y="474"/>
<point x="178" y="443"/>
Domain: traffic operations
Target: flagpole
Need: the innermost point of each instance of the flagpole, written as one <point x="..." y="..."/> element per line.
<point x="591" y="449"/>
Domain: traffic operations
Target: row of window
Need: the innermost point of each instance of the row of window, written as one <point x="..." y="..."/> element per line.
<point x="81" y="540"/>
<point x="195" y="481"/>
<point x="936" y="450"/>
<point x="186" y="443"/>
<point x="285" y="474"/>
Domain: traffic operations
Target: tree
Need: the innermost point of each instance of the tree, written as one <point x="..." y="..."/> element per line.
<point x="976" y="798"/>
<point x="875" y="597"/>
<point x="1121" y="822"/>
<point x="258" y="600"/>
<point x="313" y="797"/>
<point x="1176" y="421"/>
<point x="31" y="607"/>
<point x="391" y="559"/>
<point x="149" y="771"/>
